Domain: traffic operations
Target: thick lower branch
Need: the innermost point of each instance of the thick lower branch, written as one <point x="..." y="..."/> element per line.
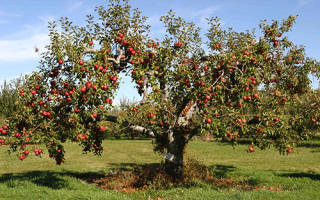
<point x="187" y="113"/>
<point x="88" y="50"/>
<point x="145" y="91"/>
<point x="140" y="129"/>
<point x="116" y="61"/>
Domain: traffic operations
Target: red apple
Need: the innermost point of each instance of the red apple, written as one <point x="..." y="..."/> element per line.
<point x="102" y="128"/>
<point x="22" y="157"/>
<point x="95" y="115"/>
<point x="83" y="90"/>
<point x="208" y="120"/>
<point x="88" y="84"/>
<point x="17" y="135"/>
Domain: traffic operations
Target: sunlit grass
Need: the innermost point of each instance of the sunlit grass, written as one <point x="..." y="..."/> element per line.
<point x="297" y="174"/>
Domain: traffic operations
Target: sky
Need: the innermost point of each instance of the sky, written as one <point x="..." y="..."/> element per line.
<point x="23" y="25"/>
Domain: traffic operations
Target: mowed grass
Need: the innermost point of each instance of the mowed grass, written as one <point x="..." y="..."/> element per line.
<point x="297" y="174"/>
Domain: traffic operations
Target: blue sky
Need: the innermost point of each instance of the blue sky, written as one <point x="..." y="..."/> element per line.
<point x="23" y="24"/>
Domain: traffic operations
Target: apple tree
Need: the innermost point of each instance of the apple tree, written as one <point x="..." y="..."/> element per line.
<point x="232" y="84"/>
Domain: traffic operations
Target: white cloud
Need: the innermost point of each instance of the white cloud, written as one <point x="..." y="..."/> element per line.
<point x="22" y="49"/>
<point x="20" y="45"/>
<point x="205" y="12"/>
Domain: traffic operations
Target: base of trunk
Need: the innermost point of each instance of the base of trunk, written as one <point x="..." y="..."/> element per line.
<point x="173" y="169"/>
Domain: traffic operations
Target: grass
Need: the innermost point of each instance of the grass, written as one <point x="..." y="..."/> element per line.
<point x="297" y="174"/>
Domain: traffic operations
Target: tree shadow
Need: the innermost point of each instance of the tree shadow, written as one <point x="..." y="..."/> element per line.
<point x="124" y="172"/>
<point x="225" y="141"/>
<point x="310" y="145"/>
<point x="130" y="166"/>
<point x="302" y="175"/>
<point x="313" y="142"/>
<point x="221" y="171"/>
<point x="50" y="179"/>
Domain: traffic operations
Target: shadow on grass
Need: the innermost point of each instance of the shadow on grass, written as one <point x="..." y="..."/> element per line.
<point x="228" y="142"/>
<point x="302" y="175"/>
<point x="131" y="166"/>
<point x="221" y="171"/>
<point x="310" y="145"/>
<point x="50" y="179"/>
<point x="140" y="174"/>
<point x="313" y="142"/>
<point x="128" y="138"/>
<point x="154" y="176"/>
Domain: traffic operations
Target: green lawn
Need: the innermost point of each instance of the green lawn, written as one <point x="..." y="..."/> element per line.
<point x="297" y="174"/>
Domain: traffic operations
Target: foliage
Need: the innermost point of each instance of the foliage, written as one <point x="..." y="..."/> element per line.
<point x="9" y="97"/>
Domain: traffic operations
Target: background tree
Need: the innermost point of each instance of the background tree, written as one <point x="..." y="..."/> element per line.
<point x="186" y="85"/>
<point x="8" y="96"/>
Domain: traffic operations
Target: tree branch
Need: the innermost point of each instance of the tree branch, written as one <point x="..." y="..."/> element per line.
<point x="117" y="61"/>
<point x="184" y="120"/>
<point x="145" y="91"/>
<point x="145" y="88"/>
<point x="193" y="132"/>
<point x="88" y="50"/>
<point x="218" y="78"/>
<point x="140" y="129"/>
<point x="166" y="92"/>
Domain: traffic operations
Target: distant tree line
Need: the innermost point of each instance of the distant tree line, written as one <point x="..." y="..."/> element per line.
<point x="9" y="96"/>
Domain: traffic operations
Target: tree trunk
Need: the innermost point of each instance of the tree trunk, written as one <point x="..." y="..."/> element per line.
<point x="174" y="157"/>
<point x="132" y="135"/>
